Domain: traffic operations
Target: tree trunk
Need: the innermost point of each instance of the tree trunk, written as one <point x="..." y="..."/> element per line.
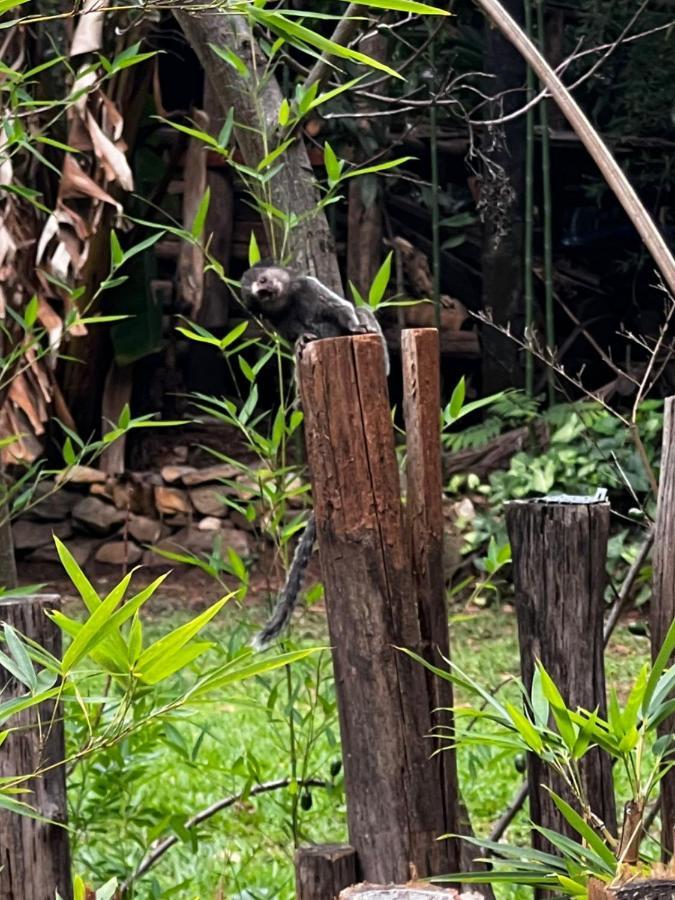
<point x="502" y="194"/>
<point x="256" y="112"/>
<point x="34" y="855"/>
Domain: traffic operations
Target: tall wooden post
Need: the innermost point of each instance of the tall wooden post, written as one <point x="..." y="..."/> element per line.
<point x="559" y="552"/>
<point x="663" y="596"/>
<point x="34" y="855"/>
<point x="396" y="805"/>
<point x="420" y="354"/>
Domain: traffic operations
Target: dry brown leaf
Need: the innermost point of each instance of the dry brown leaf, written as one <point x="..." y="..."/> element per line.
<point x="112" y="121"/>
<point x="88" y="35"/>
<point x="76" y="183"/>
<point x="114" y="162"/>
<point x="53" y="324"/>
<point x="21" y="396"/>
<point x="191" y="258"/>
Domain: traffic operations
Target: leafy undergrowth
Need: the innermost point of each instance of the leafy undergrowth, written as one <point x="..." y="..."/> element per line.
<point x="146" y="789"/>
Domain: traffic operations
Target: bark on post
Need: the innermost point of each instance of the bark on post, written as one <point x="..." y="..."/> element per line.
<point x="34" y="855"/>
<point x="559" y="552"/>
<point x="322" y="872"/>
<point x="396" y="806"/>
<point x="663" y="596"/>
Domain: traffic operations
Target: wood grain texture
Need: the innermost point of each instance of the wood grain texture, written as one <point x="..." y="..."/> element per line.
<point x="34" y="855"/>
<point x="321" y="872"/>
<point x="559" y="553"/>
<point x="663" y="595"/>
<point x="396" y="806"/>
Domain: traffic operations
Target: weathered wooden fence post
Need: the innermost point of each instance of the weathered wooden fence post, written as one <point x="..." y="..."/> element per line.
<point x="34" y="855"/>
<point x="663" y="596"/>
<point x="322" y="872"/>
<point x="397" y="805"/>
<point x="559" y="551"/>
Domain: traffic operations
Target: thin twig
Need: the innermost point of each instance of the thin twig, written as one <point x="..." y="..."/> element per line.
<point x="160" y="849"/>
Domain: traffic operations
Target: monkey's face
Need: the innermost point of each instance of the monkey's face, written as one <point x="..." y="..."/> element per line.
<point x="266" y="289"/>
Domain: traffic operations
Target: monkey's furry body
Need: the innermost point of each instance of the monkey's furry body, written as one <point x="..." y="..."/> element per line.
<point x="300" y="309"/>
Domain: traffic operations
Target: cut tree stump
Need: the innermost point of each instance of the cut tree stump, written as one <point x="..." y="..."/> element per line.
<point x="663" y="597"/>
<point x="396" y="805"/>
<point x="321" y="872"/>
<point x="559" y="552"/>
<point x="34" y="855"/>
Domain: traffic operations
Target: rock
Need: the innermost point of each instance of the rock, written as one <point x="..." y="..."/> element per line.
<point x="117" y="553"/>
<point x="144" y="529"/>
<point x="210" y="523"/>
<point x="31" y="535"/>
<point x="101" y="490"/>
<point x="240" y="521"/>
<point x="208" y="502"/>
<point x="193" y="540"/>
<point x="80" y="547"/>
<point x="81" y="475"/>
<point x="97" y="516"/>
<point x="171" y="474"/>
<point x="211" y="473"/>
<point x="52" y="504"/>
<point x="171" y="500"/>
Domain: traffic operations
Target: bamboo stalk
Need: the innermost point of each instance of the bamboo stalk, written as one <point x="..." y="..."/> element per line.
<point x="610" y="169"/>
<point x="549" y="309"/>
<point x="529" y="215"/>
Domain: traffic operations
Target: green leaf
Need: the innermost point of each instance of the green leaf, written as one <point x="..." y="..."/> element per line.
<point x="155" y="662"/>
<point x="284" y="112"/>
<point x="200" y="216"/>
<point x="234" y="334"/>
<point x="586" y="832"/>
<point x="68" y="453"/>
<point x="108" y="891"/>
<point x="409" y="6"/>
<point x="105" y="621"/>
<point x="226" y="130"/>
<point x="77" y="577"/>
<point x="24" y="669"/>
<point x="457" y="399"/>
<point x="253" y="250"/>
<point x="378" y="167"/>
<point x="381" y="281"/>
<point x="231" y="57"/>
<point x="116" y="252"/>
<point x="332" y="164"/>
<point x="235" y="671"/>
<point x="6" y="5"/>
<point x="267" y="161"/>
<point x="525" y="728"/>
<point x="31" y="312"/>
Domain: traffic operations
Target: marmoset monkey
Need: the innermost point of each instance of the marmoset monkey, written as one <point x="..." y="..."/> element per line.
<point x="300" y="309"/>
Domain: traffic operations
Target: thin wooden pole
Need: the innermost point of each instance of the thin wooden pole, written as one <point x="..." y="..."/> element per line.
<point x="663" y="596"/>
<point x="322" y="872"/>
<point x="396" y="805"/>
<point x="34" y="855"/>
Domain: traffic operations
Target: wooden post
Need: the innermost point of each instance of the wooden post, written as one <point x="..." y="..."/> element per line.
<point x="420" y="353"/>
<point x="34" y="855"/>
<point x="559" y="552"/>
<point x="396" y="806"/>
<point x="322" y="872"/>
<point x="663" y="597"/>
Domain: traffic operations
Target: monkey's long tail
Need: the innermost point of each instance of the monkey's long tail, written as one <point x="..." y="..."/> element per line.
<point x="289" y="596"/>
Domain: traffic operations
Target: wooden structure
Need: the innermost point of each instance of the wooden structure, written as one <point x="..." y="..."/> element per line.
<point x="663" y="597"/>
<point x="559" y="553"/>
<point x="399" y="800"/>
<point x="34" y="855"/>
<point x="323" y="871"/>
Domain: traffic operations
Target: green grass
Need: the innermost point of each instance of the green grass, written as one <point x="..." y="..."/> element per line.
<point x="145" y="789"/>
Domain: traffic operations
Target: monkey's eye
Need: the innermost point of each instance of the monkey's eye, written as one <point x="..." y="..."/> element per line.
<point x="262" y="279"/>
